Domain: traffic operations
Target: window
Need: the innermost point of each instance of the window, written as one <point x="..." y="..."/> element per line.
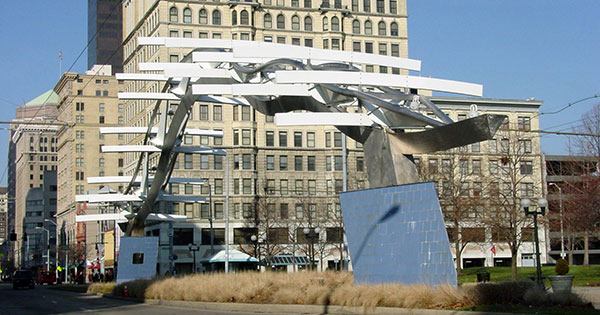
<point x="218" y="186"/>
<point x="234" y="17"/>
<point x="335" y="24"/>
<point x="380" y="6"/>
<point x="299" y="213"/>
<point x="188" y="161"/>
<point x="236" y="137"/>
<point x="280" y="22"/>
<point x="325" y="44"/>
<point x="203" y="16"/>
<point x="360" y="164"/>
<point x="526" y="189"/>
<point x="246" y="113"/>
<point x="308" y="24"/>
<point x="101" y="119"/>
<point x="283" y="187"/>
<point x="173" y="15"/>
<point x="244" y="19"/>
<point x="308" y="42"/>
<point x="310" y="139"/>
<point x="187" y="15"/>
<point x="525" y="145"/>
<point x="356" y="27"/>
<point x="204" y="162"/>
<point x="246" y="137"/>
<point x="524" y="123"/>
<point x="298" y="163"/>
<point x="368" y="27"/>
<point x="270" y="187"/>
<point x="325" y="25"/>
<point x="526" y="167"/>
<point x="312" y="163"/>
<point x="355" y="5"/>
<point x="312" y="187"/>
<point x="339" y="186"/>
<point x="381" y="28"/>
<point x="203" y="112"/>
<point x="270" y="162"/>
<point x="338" y="162"/>
<point x="476" y="147"/>
<point x="493" y="166"/>
<point x="394" y="29"/>
<point x="268" y="21"/>
<point x="337" y="139"/>
<point x="283" y="163"/>
<point x="393" y="8"/>
<point x="367" y="5"/>
<point x="79" y="106"/>
<point x="433" y="166"/>
<point x="463" y="165"/>
<point x="476" y="164"/>
<point x="493" y="146"/>
<point x="216" y="17"/>
<point x="295" y="23"/>
<point x="217" y="112"/>
<point x="280" y="40"/>
<point x="246" y="186"/>
<point x="299" y="188"/>
<point x="283" y="211"/>
<point x="270" y="138"/>
<point x="295" y="3"/>
<point x="296" y="41"/>
<point x="246" y="161"/>
<point x="307" y="3"/>
<point x="297" y="139"/>
<point x="80" y="119"/>
<point x="328" y="139"/>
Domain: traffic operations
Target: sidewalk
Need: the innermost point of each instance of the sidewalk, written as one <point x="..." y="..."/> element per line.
<point x="591" y="294"/>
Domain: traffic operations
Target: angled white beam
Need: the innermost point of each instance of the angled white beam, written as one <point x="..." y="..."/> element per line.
<point x="161" y="66"/>
<point x="166" y="217"/>
<point x="119" y="217"/>
<point x="97" y="198"/>
<point x="142" y="130"/>
<point x="129" y="148"/>
<point x="198" y="150"/>
<point x="141" y="77"/>
<point x="148" y="96"/>
<point x="223" y="100"/>
<point x="323" y="119"/>
<point x="214" y="56"/>
<point x="195" y="71"/>
<point x="378" y="79"/>
<point x="252" y="89"/>
<point x="192" y="181"/>
<point x="181" y="198"/>
<point x="109" y="179"/>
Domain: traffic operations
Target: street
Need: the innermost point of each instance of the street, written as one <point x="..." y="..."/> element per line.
<point x="43" y="300"/>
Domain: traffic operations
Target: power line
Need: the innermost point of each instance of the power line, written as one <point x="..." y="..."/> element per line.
<point x="567" y="106"/>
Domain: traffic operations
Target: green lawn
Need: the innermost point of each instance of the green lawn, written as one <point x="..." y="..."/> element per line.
<point x="583" y="275"/>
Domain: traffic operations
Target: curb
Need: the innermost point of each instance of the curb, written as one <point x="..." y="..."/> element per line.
<point x="291" y="308"/>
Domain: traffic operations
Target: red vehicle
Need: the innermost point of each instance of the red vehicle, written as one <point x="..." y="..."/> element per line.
<point x="48" y="277"/>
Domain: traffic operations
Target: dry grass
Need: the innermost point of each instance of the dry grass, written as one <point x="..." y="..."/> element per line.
<point x="336" y="289"/>
<point x="102" y="288"/>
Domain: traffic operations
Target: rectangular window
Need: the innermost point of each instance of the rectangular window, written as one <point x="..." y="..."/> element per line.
<point x="493" y="166"/>
<point x="203" y="112"/>
<point x="476" y="147"/>
<point x="246" y="161"/>
<point x="298" y="163"/>
<point x="526" y="167"/>
<point x="299" y="211"/>
<point x="236" y="161"/>
<point x="236" y="137"/>
<point x="328" y="163"/>
<point x="283" y="163"/>
<point x="310" y="139"/>
<point x="204" y="162"/>
<point x="204" y="211"/>
<point x="270" y="138"/>
<point x="283" y="138"/>
<point x="235" y="112"/>
<point x="356" y="46"/>
<point x="236" y="186"/>
<point x="297" y="139"/>
<point x="270" y="162"/>
<point x="246" y="137"/>
<point x="270" y="186"/>
<point x="463" y="165"/>
<point x="339" y="186"/>
<point x="312" y="187"/>
<point x="283" y="187"/>
<point x="246" y="186"/>
<point x="338" y="161"/>
<point x="217" y="112"/>
<point x="360" y="164"/>
<point x="328" y="139"/>
<point x="493" y="146"/>
<point x="337" y="139"/>
<point x="188" y="161"/>
<point x="189" y="189"/>
<point x="476" y="164"/>
<point x="312" y="163"/>
<point x="526" y="189"/>
<point x="247" y="211"/>
<point x="525" y="146"/>
<point x="299" y="188"/>
<point x="524" y="123"/>
<point x="246" y="113"/>
<point x="218" y="186"/>
<point x="283" y="211"/>
<point x="218" y="140"/>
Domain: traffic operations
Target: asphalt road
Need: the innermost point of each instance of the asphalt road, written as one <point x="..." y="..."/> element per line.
<point x="43" y="300"/>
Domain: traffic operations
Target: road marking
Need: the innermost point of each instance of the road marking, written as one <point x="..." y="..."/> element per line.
<point x="53" y="302"/>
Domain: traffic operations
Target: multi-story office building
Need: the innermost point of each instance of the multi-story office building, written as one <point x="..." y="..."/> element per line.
<point x="3" y="214"/>
<point x="86" y="102"/>
<point x="567" y="177"/>
<point x="285" y="179"/>
<point x="105" y="22"/>
<point x="34" y="148"/>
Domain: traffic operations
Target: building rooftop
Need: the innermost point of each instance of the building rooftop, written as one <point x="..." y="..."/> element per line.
<point x="49" y="97"/>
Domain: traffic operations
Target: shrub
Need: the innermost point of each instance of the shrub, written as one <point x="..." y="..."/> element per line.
<point x="562" y="267"/>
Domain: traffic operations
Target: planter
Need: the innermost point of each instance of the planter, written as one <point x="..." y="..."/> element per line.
<point x="561" y="284"/>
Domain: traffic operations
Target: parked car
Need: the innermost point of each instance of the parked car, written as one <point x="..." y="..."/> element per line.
<point x="23" y="278"/>
<point x="48" y="277"/>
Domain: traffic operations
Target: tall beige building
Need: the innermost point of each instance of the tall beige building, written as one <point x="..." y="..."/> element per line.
<point x="86" y="102"/>
<point x="35" y="152"/>
<point x="282" y="179"/>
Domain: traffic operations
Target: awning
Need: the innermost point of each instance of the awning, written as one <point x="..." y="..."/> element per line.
<point x="234" y="256"/>
<point x="284" y="260"/>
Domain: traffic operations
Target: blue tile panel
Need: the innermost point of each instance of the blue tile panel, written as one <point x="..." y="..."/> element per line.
<point x="397" y="234"/>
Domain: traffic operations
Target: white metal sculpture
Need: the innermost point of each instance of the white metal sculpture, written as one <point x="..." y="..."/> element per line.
<point x="277" y="79"/>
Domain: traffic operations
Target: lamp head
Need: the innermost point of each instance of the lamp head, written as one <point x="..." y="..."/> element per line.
<point x="542" y="203"/>
<point x="525" y="204"/>
<point x="318" y="230"/>
<point x="253" y="238"/>
<point x="306" y="230"/>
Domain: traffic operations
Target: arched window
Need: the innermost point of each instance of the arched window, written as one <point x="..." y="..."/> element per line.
<point x="295" y="23"/>
<point x="381" y="29"/>
<point x="325" y="24"/>
<point x="368" y="28"/>
<point x="335" y="24"/>
<point x="216" y="17"/>
<point x="187" y="15"/>
<point x="234" y="17"/>
<point x="203" y="17"/>
<point x="394" y="29"/>
<point x="244" y="20"/>
<point x="308" y="23"/>
<point x="355" y="27"/>
<point x="173" y="14"/>
<point x="280" y="22"/>
<point x="268" y="21"/>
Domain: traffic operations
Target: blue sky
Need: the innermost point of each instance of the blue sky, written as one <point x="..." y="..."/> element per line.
<point x="517" y="49"/>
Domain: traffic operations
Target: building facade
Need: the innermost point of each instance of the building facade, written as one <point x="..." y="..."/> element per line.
<point x="86" y="102"/>
<point x="34" y="147"/>
<point x="104" y="34"/>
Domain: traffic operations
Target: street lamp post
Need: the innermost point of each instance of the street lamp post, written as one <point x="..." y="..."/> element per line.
<point x="542" y="203"/>
<point x="257" y="242"/>
<point x="194" y="248"/>
<point x="55" y="247"/>
<point x="312" y="236"/>
<point x="562" y="235"/>
<point x="47" y="247"/>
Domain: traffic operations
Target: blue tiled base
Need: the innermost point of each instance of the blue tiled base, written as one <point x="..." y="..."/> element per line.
<point x="397" y="235"/>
